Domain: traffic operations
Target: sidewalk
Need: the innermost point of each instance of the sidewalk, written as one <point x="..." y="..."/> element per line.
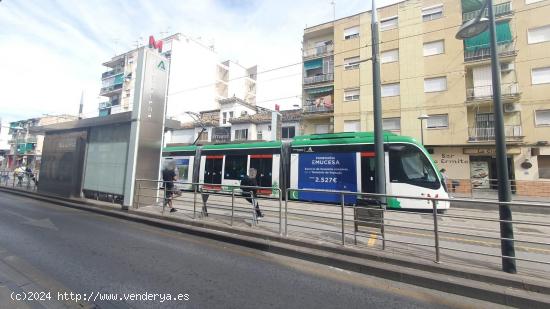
<point x="493" y="195"/>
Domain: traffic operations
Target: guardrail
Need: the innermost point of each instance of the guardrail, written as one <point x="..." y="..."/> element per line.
<point x="359" y="219"/>
<point x="156" y="192"/>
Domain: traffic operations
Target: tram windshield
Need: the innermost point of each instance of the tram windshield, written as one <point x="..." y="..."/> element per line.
<point x="410" y="165"/>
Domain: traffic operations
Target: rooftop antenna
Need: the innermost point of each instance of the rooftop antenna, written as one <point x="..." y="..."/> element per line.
<point x="81" y="107"/>
<point x="333" y="3"/>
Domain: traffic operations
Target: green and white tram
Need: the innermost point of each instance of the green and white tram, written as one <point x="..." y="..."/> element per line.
<point x="339" y="161"/>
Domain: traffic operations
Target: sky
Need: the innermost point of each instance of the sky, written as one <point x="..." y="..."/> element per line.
<point x="52" y="50"/>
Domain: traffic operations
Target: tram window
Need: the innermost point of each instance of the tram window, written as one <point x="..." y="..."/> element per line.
<point x="235" y="167"/>
<point x="264" y="166"/>
<point x="409" y="165"/>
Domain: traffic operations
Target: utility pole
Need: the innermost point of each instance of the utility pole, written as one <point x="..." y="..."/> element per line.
<point x="504" y="192"/>
<point x="379" y="169"/>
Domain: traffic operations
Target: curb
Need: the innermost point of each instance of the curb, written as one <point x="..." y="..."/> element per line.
<point x="498" y="288"/>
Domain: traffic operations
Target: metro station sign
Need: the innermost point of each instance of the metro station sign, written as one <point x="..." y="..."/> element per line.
<point x="155" y="44"/>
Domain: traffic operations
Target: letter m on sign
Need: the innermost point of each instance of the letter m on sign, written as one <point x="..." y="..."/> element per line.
<point x="155" y="44"/>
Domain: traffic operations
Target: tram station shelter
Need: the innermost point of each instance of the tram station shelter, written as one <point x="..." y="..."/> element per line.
<point x="101" y="157"/>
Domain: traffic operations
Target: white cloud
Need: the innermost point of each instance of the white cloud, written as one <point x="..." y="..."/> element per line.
<point x="52" y="50"/>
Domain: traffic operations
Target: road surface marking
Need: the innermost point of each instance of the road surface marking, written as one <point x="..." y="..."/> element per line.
<point x="372" y="240"/>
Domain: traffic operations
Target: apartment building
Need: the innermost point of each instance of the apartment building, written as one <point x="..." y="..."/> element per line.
<point x="427" y="71"/>
<point x="197" y="78"/>
<point x="25" y="144"/>
<point x="236" y="120"/>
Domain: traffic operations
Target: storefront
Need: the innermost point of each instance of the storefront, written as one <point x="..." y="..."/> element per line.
<point x="474" y="168"/>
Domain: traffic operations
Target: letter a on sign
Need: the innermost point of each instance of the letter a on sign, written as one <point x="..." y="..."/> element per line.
<point x="161" y="66"/>
<point x="155" y="44"/>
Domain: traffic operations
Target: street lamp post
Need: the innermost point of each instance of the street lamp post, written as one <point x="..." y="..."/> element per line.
<point x="379" y="166"/>
<point x="421" y="118"/>
<point x="470" y="29"/>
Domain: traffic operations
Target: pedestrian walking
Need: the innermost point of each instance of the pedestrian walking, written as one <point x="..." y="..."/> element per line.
<point x="30" y="175"/>
<point x="168" y="178"/>
<point x="445" y="179"/>
<point x="19" y="173"/>
<point x="247" y="182"/>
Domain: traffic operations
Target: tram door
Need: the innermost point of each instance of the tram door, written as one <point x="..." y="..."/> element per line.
<point x="264" y="165"/>
<point x="367" y="172"/>
<point x="213" y="170"/>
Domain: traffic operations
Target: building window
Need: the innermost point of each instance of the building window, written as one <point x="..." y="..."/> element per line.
<point x="224" y="118"/>
<point x="351" y="63"/>
<point x="434" y="48"/>
<point x="388" y="23"/>
<point x="288" y="132"/>
<point x="230" y="115"/>
<point x="437" y="121"/>
<point x="435" y="84"/>
<point x="321" y="129"/>
<point x="259" y="135"/>
<point x="203" y="136"/>
<point x="540" y="76"/>
<point x="542" y="117"/>
<point x="389" y="56"/>
<point x="432" y="13"/>
<point x="235" y="167"/>
<point x="391" y="124"/>
<point x="544" y="166"/>
<point x="352" y="126"/>
<point x="538" y="35"/>
<point x="241" y="135"/>
<point x="350" y="33"/>
<point x="390" y="90"/>
<point x="351" y="95"/>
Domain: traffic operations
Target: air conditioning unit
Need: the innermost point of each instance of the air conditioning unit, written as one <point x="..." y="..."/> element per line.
<point x="506" y="67"/>
<point x="511" y="107"/>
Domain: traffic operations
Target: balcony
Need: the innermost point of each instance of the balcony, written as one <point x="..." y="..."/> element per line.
<point x="509" y="92"/>
<point x="500" y="9"/>
<point x="319" y="51"/>
<point x="319" y="78"/>
<point x="112" y="73"/>
<point x="105" y="91"/>
<point x="478" y="134"/>
<point x="503" y="49"/>
<point x="316" y="108"/>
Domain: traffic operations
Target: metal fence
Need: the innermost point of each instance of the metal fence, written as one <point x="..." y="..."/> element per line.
<point x="231" y="202"/>
<point x="468" y="235"/>
<point x="26" y="181"/>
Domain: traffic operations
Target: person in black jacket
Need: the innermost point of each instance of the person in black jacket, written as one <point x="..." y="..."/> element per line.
<point x="250" y="181"/>
<point x="168" y="178"/>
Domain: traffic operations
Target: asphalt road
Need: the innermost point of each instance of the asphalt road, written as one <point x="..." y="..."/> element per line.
<point x="89" y="253"/>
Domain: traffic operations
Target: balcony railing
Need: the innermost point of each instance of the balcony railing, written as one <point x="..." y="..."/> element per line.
<point x="311" y="107"/>
<point x="319" y="51"/>
<point x="507" y="90"/>
<point x="112" y="72"/>
<point x="319" y="78"/>
<point x="108" y="89"/>
<point x="499" y="9"/>
<point x="503" y="49"/>
<point x="481" y="134"/>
